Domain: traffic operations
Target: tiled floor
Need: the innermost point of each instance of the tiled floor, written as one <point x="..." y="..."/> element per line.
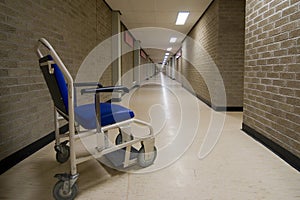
<point x="236" y="166"/>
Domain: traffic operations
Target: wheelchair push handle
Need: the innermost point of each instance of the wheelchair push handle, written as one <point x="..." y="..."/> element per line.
<point x="46" y="44"/>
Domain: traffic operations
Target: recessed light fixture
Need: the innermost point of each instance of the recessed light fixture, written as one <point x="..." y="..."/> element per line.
<point x="169" y="49"/>
<point x="167" y="53"/>
<point x="173" y="39"/>
<point x="182" y="17"/>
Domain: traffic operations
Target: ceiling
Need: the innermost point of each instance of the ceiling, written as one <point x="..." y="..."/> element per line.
<point x="140" y="15"/>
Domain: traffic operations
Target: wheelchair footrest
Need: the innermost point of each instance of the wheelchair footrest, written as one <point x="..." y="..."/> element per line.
<point x="117" y="157"/>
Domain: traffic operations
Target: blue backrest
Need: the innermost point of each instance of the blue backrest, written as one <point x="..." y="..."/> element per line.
<point x="56" y="84"/>
<point x="62" y="85"/>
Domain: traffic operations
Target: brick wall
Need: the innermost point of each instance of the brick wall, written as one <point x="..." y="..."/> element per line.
<point x="127" y="61"/>
<point x="194" y="81"/>
<point x="272" y="71"/>
<point x="204" y="37"/>
<point x="104" y="31"/>
<point x="143" y="69"/>
<point x="178" y="69"/>
<point x="147" y="68"/>
<point x="230" y="51"/>
<point x="73" y="28"/>
<point x="220" y="35"/>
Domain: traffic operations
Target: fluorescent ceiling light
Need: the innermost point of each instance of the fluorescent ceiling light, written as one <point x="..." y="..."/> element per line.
<point x="169" y="49"/>
<point x="182" y="17"/>
<point x="167" y="53"/>
<point x="173" y="39"/>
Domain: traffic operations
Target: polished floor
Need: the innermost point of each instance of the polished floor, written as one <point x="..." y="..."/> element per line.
<point x="202" y="154"/>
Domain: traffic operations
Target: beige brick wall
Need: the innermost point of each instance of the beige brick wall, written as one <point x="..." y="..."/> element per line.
<point x="145" y="68"/>
<point x="127" y="61"/>
<point x="205" y="36"/>
<point x="272" y="71"/>
<point x="230" y="51"/>
<point x="220" y="32"/>
<point x="143" y="65"/>
<point x="73" y="28"/>
<point x="104" y="31"/>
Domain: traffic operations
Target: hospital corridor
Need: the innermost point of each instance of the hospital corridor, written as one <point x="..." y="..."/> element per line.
<point x="149" y="99"/>
<point x="236" y="168"/>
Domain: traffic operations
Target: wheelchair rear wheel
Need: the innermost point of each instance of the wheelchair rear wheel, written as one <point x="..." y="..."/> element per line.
<point x="146" y="159"/>
<point x="119" y="139"/>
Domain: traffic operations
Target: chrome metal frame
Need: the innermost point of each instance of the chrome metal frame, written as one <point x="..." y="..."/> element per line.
<point x="147" y="141"/>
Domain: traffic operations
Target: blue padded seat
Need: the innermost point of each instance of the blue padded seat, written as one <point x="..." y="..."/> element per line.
<point x="85" y="115"/>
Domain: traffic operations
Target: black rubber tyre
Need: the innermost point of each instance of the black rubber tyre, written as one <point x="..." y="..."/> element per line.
<point x="119" y="139"/>
<point x="141" y="157"/>
<point x="58" y="191"/>
<point x="63" y="155"/>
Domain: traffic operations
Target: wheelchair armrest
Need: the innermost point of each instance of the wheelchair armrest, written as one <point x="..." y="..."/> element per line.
<point x="87" y="84"/>
<point x="105" y="89"/>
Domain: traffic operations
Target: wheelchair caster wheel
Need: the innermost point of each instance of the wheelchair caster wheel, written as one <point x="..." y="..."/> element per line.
<point x="60" y="194"/>
<point x="146" y="159"/>
<point x="63" y="153"/>
<point x="119" y="139"/>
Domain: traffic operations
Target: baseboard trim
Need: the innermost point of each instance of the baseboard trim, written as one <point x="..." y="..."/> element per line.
<point x="227" y="109"/>
<point x="283" y="153"/>
<point x="20" y="155"/>
<point x="216" y="108"/>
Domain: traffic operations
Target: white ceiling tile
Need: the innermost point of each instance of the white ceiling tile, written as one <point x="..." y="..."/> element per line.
<point x="158" y="13"/>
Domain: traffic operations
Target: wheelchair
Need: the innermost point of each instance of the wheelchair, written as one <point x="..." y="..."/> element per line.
<point x="94" y="118"/>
